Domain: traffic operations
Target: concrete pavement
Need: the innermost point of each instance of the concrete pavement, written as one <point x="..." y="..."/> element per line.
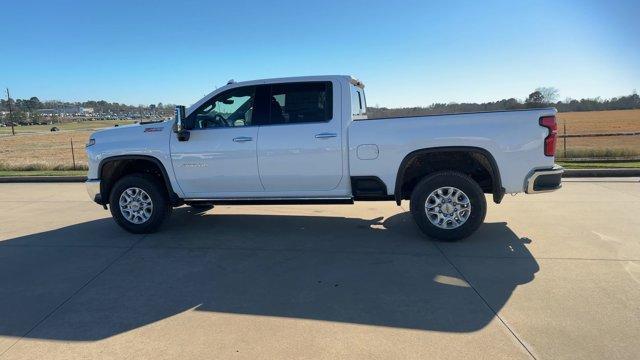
<point x="548" y="276"/>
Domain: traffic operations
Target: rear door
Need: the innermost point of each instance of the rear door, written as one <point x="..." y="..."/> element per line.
<point x="300" y="148"/>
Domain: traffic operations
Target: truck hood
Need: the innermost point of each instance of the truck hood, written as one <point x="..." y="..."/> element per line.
<point x="134" y="137"/>
<point x="123" y="129"/>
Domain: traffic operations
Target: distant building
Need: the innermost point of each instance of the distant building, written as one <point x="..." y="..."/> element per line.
<point x="68" y="111"/>
<point x="48" y="112"/>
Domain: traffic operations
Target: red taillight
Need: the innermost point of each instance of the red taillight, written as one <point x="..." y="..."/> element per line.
<point x="550" y="141"/>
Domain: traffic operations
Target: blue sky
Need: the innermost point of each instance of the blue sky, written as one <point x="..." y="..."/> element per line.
<point x="407" y="52"/>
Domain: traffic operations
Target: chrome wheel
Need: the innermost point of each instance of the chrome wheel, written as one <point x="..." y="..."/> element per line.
<point x="136" y="205"/>
<point x="447" y="207"/>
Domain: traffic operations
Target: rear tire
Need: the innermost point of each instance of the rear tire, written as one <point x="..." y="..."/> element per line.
<point x="139" y="203"/>
<point x="448" y="206"/>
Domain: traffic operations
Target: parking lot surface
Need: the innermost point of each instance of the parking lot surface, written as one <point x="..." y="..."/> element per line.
<point x="547" y="276"/>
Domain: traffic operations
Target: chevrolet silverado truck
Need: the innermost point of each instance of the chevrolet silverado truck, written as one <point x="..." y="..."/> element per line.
<point x="308" y="140"/>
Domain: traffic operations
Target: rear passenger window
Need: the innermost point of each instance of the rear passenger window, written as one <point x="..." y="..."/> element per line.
<point x="297" y="103"/>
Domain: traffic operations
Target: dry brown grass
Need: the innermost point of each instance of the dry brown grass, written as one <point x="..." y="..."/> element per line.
<point x="48" y="151"/>
<point x="37" y="148"/>
<point x="600" y="122"/>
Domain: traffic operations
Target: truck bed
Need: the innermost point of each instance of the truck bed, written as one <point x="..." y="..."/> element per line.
<point x="514" y="139"/>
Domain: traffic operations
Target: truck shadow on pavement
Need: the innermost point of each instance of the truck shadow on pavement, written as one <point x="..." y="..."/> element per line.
<point x="91" y="281"/>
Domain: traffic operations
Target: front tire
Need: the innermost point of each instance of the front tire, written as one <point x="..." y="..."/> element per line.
<point x="448" y="205"/>
<point x="138" y="203"/>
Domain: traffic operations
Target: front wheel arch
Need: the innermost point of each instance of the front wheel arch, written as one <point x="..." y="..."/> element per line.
<point x="113" y="168"/>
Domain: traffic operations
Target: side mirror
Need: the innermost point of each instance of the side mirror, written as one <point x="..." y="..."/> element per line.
<point x="178" y="127"/>
<point x="179" y="117"/>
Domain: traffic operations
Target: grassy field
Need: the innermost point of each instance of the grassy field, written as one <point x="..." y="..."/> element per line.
<point x="600" y="165"/>
<point x="584" y="122"/>
<point x="5" y="173"/>
<point x="35" y="148"/>
<point x="600" y="122"/>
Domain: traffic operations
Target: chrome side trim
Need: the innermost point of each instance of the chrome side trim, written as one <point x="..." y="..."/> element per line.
<point x="557" y="169"/>
<point x="93" y="188"/>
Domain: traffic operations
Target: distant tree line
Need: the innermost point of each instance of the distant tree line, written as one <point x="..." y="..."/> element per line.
<point x="34" y="103"/>
<point x="29" y="110"/>
<point x="541" y="97"/>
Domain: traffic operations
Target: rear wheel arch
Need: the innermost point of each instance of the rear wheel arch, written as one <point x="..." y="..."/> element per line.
<point x="466" y="159"/>
<point x="113" y="168"/>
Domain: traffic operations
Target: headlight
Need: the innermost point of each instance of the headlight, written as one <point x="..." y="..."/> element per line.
<point x="90" y="143"/>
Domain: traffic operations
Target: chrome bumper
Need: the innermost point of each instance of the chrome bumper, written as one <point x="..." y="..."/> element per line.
<point x="93" y="189"/>
<point x="545" y="180"/>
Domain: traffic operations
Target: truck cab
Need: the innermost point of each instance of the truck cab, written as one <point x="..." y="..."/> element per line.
<point x="235" y="147"/>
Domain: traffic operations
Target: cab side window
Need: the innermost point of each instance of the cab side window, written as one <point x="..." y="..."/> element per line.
<point x="358" y="105"/>
<point x="232" y="108"/>
<point x="295" y="103"/>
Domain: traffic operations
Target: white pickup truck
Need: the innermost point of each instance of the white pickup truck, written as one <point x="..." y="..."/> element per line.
<point x="307" y="140"/>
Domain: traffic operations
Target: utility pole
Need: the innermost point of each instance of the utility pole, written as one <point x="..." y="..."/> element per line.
<point x="73" y="157"/>
<point x="13" y="131"/>
<point x="565" y="139"/>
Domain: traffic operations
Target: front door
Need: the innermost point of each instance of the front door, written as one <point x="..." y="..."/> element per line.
<point x="220" y="157"/>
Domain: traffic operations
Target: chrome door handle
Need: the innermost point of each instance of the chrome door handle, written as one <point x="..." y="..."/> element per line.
<point x="243" y="139"/>
<point x="326" y="135"/>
